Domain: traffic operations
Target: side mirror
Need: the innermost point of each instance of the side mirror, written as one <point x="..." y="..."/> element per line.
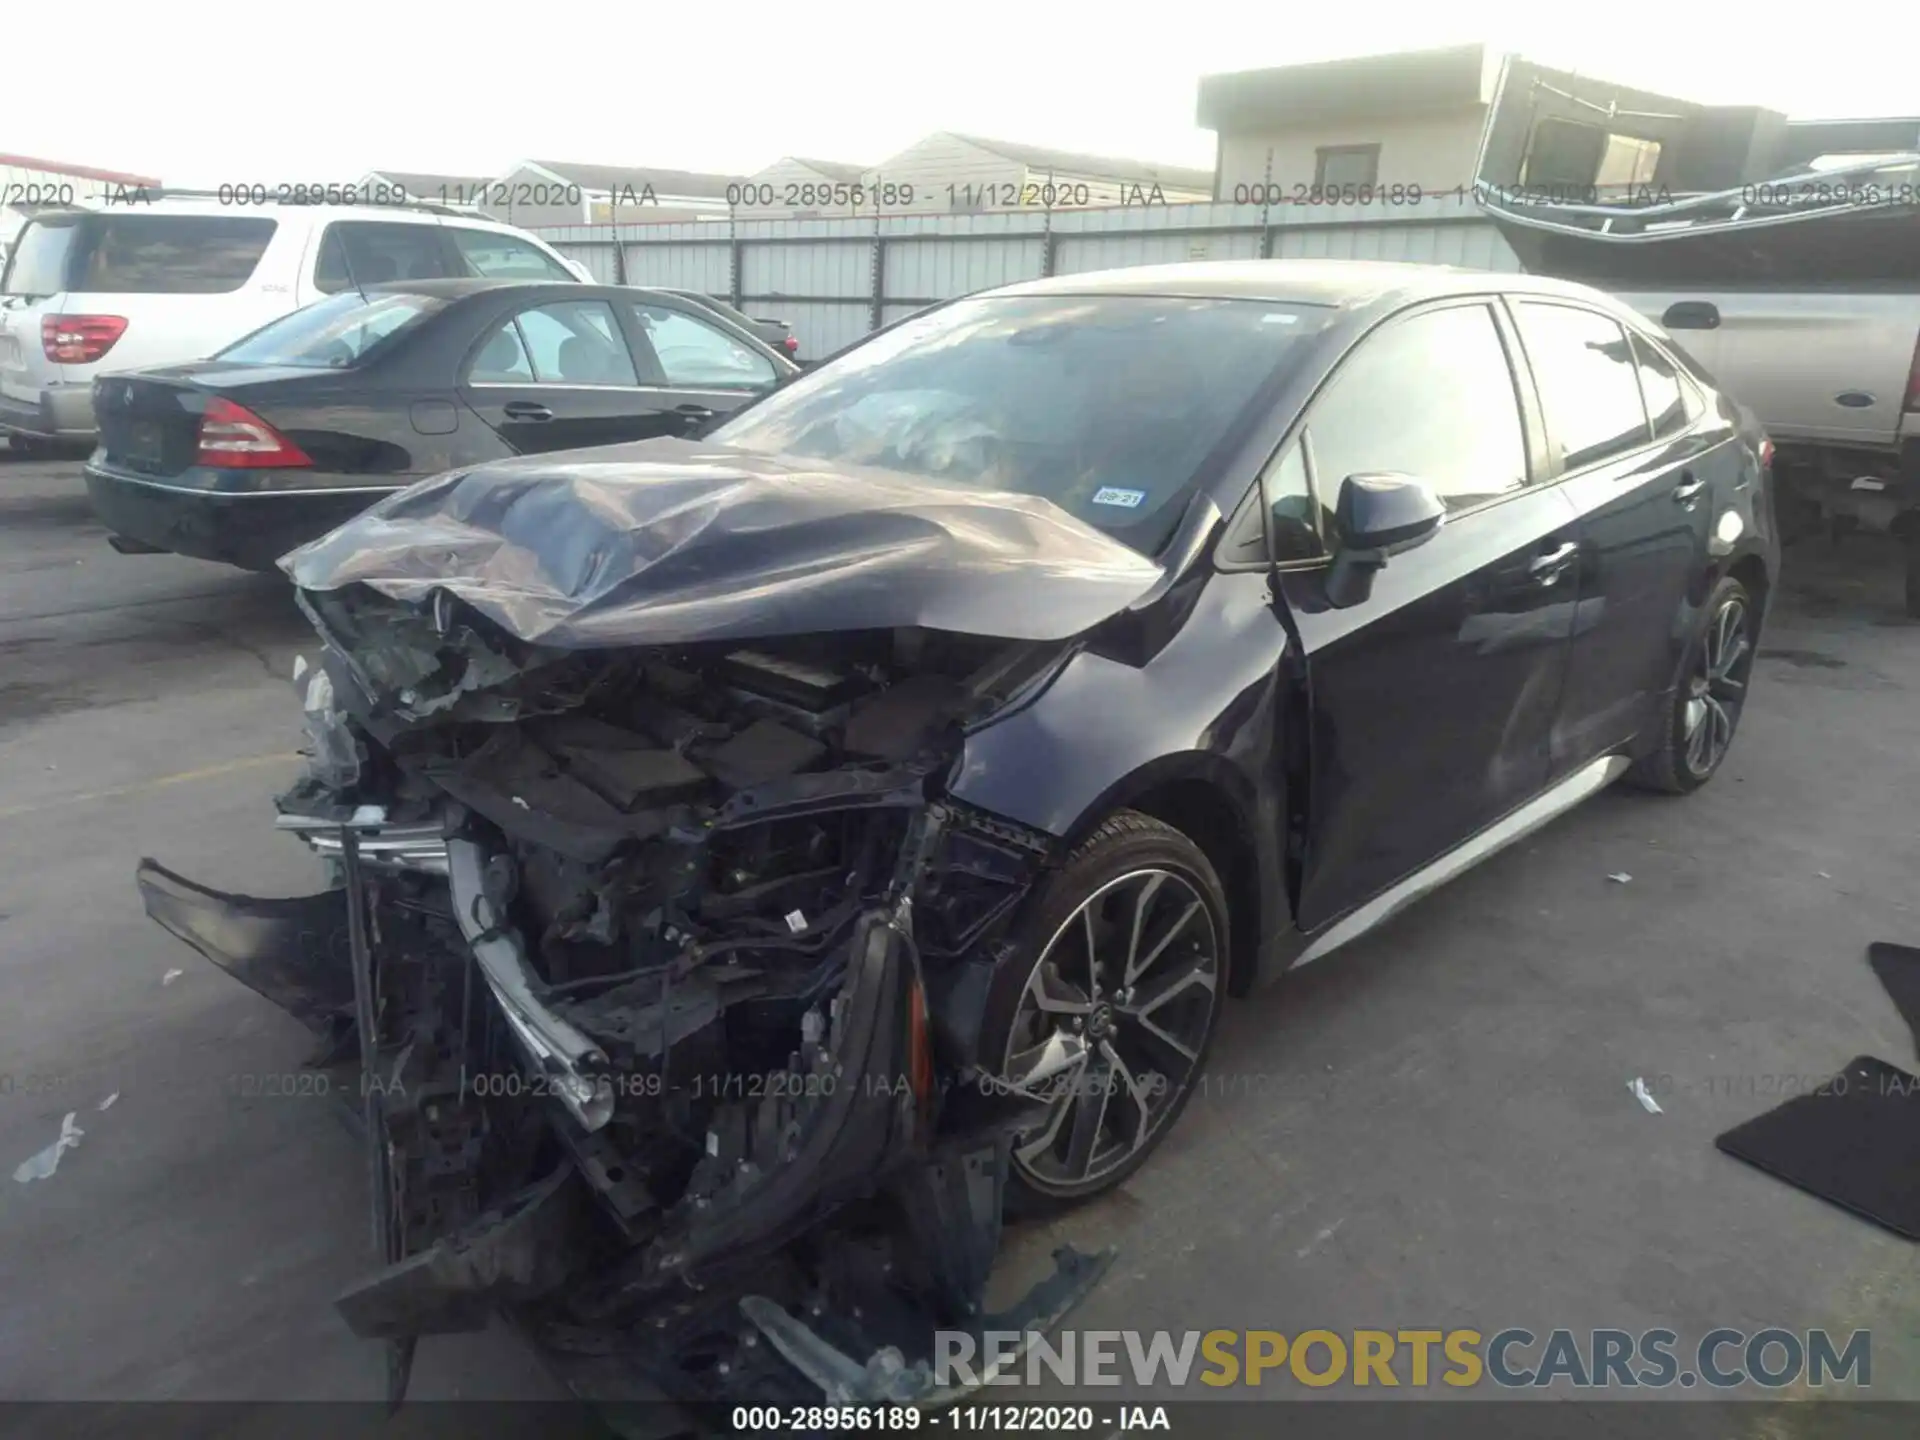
<point x="1375" y="517"/>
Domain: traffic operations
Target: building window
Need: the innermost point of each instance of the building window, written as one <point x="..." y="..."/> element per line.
<point x="1628" y="161"/>
<point x="1335" y="166"/>
<point x="1579" y="156"/>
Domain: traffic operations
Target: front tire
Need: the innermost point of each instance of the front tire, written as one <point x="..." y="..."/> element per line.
<point x="1708" y="701"/>
<point x="1108" y="1007"/>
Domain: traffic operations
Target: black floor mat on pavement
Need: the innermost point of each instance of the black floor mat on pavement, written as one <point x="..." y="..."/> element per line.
<point x="1898" y="967"/>
<point x="1854" y="1142"/>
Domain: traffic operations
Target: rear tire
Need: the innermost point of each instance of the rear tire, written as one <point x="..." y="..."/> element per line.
<point x="1108" y="1007"/>
<point x="1707" y="703"/>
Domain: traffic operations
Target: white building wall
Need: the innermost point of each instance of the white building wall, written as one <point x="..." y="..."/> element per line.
<point x="517" y="198"/>
<point x="951" y="176"/>
<point x="797" y="191"/>
<point x="527" y="186"/>
<point x="1435" y="153"/>
<point x="937" y="163"/>
<point x="1071" y="190"/>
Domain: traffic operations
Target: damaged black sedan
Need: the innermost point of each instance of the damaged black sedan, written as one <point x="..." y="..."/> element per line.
<point x="765" y="860"/>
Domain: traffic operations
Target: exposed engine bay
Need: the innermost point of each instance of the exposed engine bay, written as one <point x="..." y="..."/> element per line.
<point x="657" y="978"/>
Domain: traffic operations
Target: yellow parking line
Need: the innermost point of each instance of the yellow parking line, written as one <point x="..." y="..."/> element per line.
<point x="184" y="777"/>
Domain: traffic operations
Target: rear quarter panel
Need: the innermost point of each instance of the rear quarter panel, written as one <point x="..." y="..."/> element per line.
<point x="390" y="433"/>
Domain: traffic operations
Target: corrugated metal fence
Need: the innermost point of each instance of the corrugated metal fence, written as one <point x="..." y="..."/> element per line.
<point x="836" y="280"/>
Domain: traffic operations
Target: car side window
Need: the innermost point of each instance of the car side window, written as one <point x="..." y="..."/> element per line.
<point x="700" y="356"/>
<point x="504" y="257"/>
<point x="502" y="360"/>
<point x="367" y="252"/>
<point x="1662" y="388"/>
<point x="1695" y="384"/>
<point x="1589" y="388"/>
<point x="1294" y="525"/>
<point x="569" y="342"/>
<point x="1431" y="396"/>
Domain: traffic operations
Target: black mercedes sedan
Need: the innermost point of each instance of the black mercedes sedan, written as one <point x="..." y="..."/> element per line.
<point x="307" y="421"/>
<point x="829" y="830"/>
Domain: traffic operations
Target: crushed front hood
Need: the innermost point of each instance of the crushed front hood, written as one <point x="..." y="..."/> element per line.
<point x="676" y="541"/>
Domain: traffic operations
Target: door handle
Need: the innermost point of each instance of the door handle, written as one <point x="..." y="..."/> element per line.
<point x="1688" y="490"/>
<point x="1692" y="315"/>
<point x="1548" y="568"/>
<point x="527" y="410"/>
<point x="694" y="412"/>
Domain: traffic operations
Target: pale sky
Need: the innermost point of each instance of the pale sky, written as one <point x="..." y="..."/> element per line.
<point x="273" y="91"/>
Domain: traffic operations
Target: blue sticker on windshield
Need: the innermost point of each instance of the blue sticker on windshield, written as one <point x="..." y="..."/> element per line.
<point x="1113" y="495"/>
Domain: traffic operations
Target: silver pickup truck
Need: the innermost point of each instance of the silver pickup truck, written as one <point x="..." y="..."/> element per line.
<point x="1782" y="255"/>
<point x="1834" y="375"/>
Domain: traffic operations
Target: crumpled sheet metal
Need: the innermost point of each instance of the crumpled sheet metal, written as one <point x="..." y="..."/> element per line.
<point x="673" y="542"/>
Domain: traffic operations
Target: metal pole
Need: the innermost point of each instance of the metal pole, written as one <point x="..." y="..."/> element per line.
<point x="1047" y="252"/>
<point x="877" y="302"/>
<point x="1266" y="206"/>
<point x="366" y="1023"/>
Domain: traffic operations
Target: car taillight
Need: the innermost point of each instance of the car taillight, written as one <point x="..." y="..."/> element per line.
<point x="79" y="339"/>
<point x="232" y="436"/>
<point x="792" y="343"/>
<point x="1913" y="379"/>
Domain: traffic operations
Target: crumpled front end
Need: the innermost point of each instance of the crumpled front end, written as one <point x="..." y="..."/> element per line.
<point x="657" y="978"/>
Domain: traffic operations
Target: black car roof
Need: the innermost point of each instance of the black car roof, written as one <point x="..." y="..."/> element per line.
<point x="1341" y="284"/>
<point x="454" y="289"/>
<point x="461" y="288"/>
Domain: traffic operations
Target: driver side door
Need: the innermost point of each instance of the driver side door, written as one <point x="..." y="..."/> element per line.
<point x="1432" y="699"/>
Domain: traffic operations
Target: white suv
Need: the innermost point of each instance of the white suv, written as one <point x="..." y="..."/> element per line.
<point x="128" y="286"/>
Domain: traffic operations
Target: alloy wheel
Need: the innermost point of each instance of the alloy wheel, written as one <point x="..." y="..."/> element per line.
<point x="1110" y="1027"/>
<point x="1716" y="689"/>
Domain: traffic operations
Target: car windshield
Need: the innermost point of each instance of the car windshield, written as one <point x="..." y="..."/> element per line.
<point x="333" y="333"/>
<point x="1110" y="406"/>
